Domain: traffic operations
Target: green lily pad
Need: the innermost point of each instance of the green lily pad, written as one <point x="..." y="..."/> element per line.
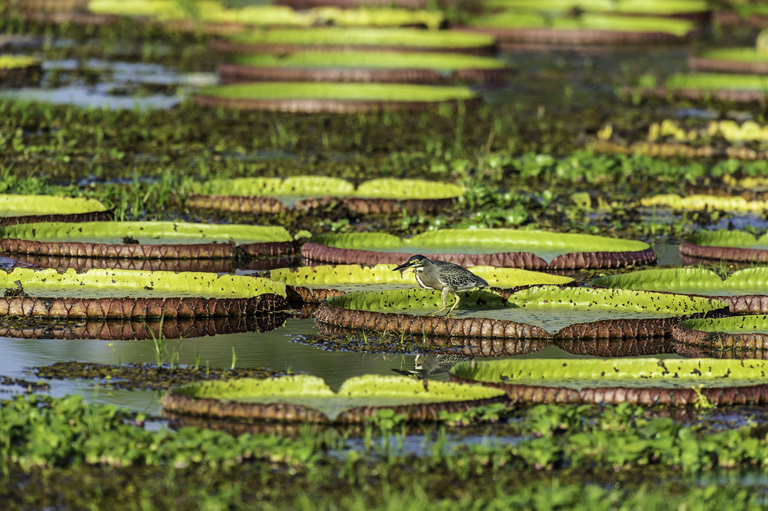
<point x="536" y="312"/>
<point x="639" y="373"/>
<point x="717" y="81"/>
<point x="292" y="190"/>
<point x="306" y="397"/>
<point x="736" y="337"/>
<point x="726" y="245"/>
<point x="361" y="37"/>
<point x="338" y="92"/>
<point x="369" y="60"/>
<point x="17" y="61"/>
<point x="699" y="202"/>
<point x="135" y="284"/>
<point x="27" y="205"/>
<point x="752" y="324"/>
<point x="695" y="281"/>
<point x="653" y="7"/>
<point x="743" y="54"/>
<point x="497" y="247"/>
<point x="144" y="240"/>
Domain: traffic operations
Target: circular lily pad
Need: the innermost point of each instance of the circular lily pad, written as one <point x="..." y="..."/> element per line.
<point x="129" y="330"/>
<point x="16" y="209"/>
<point x="726" y="245"/>
<point x="637" y="381"/>
<point x="512" y="27"/>
<point x="145" y="240"/>
<point x="308" y="399"/>
<point x="542" y="312"/>
<point x="128" y="294"/>
<point x="19" y="70"/>
<point x="290" y="40"/>
<point x="700" y="202"/>
<point x="482" y="247"/>
<point x="274" y="195"/>
<point x="331" y="97"/>
<point x="738" y="334"/>
<point x="745" y="291"/>
<point x="738" y="88"/>
<point x="389" y="67"/>
<point x="730" y="60"/>
<point x="315" y="283"/>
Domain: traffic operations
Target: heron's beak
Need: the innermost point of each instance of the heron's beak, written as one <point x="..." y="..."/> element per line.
<point x="404" y="266"/>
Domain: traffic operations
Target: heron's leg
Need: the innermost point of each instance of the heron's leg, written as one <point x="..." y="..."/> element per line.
<point x="454" y="305"/>
<point x="445" y="305"/>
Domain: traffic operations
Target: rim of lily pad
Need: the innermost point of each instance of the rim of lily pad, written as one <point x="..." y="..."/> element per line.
<point x="117" y="294"/>
<point x="19" y="70"/>
<point x="308" y="4"/>
<point x="305" y="398"/>
<point x="375" y="196"/>
<point x="730" y="60"/>
<point x="316" y="283"/>
<point x="726" y="245"/>
<point x="701" y="202"/>
<point x="310" y="97"/>
<point x="130" y="330"/>
<point x="700" y="282"/>
<point x="210" y="241"/>
<point x="17" y="209"/>
<point x="361" y="311"/>
<point x="290" y="40"/>
<point x="732" y="87"/>
<point x="382" y="67"/>
<point x="736" y="333"/>
<point x="581" y="250"/>
<point x="681" y="382"/>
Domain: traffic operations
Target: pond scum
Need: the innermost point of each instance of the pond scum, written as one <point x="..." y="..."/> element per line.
<point x="519" y="150"/>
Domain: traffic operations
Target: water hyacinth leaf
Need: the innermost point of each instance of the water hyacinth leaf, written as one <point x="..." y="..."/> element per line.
<point x="648" y="381"/>
<point x="470" y="247"/>
<point x="99" y="294"/>
<point x="305" y="397"/>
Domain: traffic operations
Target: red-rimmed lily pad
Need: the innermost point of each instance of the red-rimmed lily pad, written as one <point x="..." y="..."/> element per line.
<point x="145" y="240"/>
<point x="381" y="67"/>
<point x="117" y="294"/>
<point x="128" y="330"/>
<point x="315" y="283"/>
<point x="738" y="88"/>
<point x="746" y="291"/>
<point x="646" y="381"/>
<point x="540" y="312"/>
<point x="308" y="399"/>
<point x="730" y="60"/>
<point x="16" y="209"/>
<point x="482" y="247"/>
<point x="738" y="334"/>
<point x="310" y="97"/>
<point x="726" y="245"/>
<point x="289" y="40"/>
<point x="513" y="27"/>
<point x="274" y="195"/>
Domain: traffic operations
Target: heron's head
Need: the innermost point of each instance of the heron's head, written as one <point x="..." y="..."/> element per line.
<point x="414" y="262"/>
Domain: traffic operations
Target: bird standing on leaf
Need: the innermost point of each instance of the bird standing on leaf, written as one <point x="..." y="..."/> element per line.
<point x="442" y="276"/>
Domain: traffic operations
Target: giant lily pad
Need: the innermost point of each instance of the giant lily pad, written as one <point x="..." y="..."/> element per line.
<point x="273" y="195"/>
<point x="139" y="329"/>
<point x="481" y="247"/>
<point x="315" y="283"/>
<point x="308" y="399"/>
<point x="647" y="381"/>
<point x="332" y="97"/>
<point x="145" y="240"/>
<point x="543" y="312"/>
<point x="513" y="27"/>
<point x="129" y="294"/>
<point x="745" y="291"/>
<point x="394" y="67"/>
<point x="19" y="70"/>
<point x="289" y="40"/>
<point x="47" y="208"/>
<point x="699" y="202"/>
<point x="726" y="245"/>
<point x="677" y="8"/>
<point x="730" y="60"/>
<point x="740" y="88"/>
<point x="738" y="334"/>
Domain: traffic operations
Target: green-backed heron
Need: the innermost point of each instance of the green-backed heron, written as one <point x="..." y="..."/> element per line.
<point x="442" y="276"/>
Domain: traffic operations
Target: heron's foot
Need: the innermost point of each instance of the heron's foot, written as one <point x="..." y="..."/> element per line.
<point x="441" y="309"/>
